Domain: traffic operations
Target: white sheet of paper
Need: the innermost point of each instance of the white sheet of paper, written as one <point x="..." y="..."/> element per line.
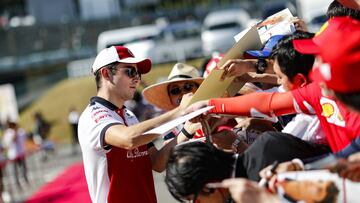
<point x="277" y="24"/>
<point x="166" y="127"/>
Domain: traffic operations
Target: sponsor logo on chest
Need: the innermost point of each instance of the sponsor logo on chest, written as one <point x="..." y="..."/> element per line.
<point x="136" y="153"/>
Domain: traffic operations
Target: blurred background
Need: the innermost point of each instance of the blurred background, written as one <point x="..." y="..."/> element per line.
<point x="47" y="48"/>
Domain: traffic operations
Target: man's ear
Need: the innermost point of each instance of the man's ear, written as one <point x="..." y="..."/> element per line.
<point x="105" y="73"/>
<point x="300" y="80"/>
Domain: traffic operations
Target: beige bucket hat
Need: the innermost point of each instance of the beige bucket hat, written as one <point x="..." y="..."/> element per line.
<point x="157" y="94"/>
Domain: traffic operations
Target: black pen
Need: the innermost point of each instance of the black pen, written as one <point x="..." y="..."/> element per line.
<point x="264" y="181"/>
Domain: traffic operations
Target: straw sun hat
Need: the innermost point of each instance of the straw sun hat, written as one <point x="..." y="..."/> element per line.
<point x="157" y="94"/>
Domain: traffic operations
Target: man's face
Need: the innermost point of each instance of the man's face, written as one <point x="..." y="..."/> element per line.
<point x="282" y="78"/>
<point x="177" y="89"/>
<point x="125" y="81"/>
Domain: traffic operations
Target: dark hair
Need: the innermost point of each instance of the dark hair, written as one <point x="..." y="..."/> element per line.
<point x="350" y="99"/>
<point x="111" y="67"/>
<point x="336" y="9"/>
<point x="292" y="62"/>
<point x="192" y="165"/>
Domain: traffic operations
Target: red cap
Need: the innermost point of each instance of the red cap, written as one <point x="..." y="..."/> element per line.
<point x="334" y="25"/>
<point x="340" y="53"/>
<point x="354" y="4"/>
<point x="122" y="55"/>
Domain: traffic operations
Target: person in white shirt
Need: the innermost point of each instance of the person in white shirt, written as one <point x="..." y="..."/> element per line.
<point x="118" y="156"/>
<point x="14" y="142"/>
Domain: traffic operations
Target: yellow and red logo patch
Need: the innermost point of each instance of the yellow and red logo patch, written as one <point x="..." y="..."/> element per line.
<point x="331" y="112"/>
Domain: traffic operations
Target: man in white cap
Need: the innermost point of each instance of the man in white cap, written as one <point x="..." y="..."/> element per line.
<point x="118" y="158"/>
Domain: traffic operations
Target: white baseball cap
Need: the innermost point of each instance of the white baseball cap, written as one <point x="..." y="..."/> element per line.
<point x="120" y="54"/>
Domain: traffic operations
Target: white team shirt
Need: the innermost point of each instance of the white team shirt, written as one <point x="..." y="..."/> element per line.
<point x="98" y="116"/>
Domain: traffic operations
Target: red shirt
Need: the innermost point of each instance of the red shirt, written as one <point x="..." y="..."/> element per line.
<point x="130" y="176"/>
<point x="340" y="125"/>
<point x="130" y="173"/>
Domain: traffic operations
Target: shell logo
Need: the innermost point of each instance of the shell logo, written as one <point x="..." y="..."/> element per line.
<point x="327" y="110"/>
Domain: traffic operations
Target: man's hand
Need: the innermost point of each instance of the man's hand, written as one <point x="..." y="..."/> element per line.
<point x="351" y="171"/>
<point x="349" y="168"/>
<point x="283" y="167"/>
<point x="192" y="127"/>
<point x="185" y="100"/>
<point x="236" y="67"/>
<point x="196" y="106"/>
<point x="181" y="109"/>
<point x="354" y="157"/>
<point x="299" y="24"/>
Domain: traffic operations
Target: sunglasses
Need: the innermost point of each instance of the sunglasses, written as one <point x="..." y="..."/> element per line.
<point x="131" y="72"/>
<point x="186" y="88"/>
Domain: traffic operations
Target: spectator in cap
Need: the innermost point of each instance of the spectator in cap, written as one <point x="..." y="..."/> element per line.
<point x="256" y="61"/>
<point x="338" y="59"/>
<point x="118" y="158"/>
<point x="261" y="64"/>
<point x="337" y="68"/>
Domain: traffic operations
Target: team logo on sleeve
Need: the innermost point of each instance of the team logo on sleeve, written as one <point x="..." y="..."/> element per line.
<point x="331" y="112"/>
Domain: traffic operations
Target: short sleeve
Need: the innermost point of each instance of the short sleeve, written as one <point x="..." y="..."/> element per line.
<point x="93" y="124"/>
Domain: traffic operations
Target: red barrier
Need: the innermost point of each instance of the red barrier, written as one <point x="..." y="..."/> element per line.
<point x="69" y="186"/>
